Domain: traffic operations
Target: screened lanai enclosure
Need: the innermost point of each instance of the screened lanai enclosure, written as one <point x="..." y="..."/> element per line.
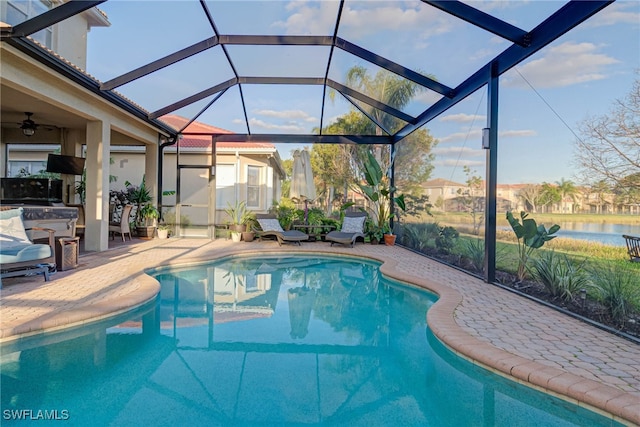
<point x="342" y="78"/>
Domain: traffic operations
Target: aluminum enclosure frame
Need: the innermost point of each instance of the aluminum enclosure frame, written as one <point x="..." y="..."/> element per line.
<point x="523" y="45"/>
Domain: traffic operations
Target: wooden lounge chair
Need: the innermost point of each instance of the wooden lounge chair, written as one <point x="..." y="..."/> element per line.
<point x="270" y="227"/>
<point x="633" y="247"/>
<point x="351" y="231"/>
<point x="19" y="256"/>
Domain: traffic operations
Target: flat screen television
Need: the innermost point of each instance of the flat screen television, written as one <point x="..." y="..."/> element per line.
<point x="65" y="164"/>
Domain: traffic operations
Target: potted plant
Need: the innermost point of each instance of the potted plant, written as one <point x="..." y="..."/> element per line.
<point x="164" y="230"/>
<point x="145" y="213"/>
<point x="146" y="222"/>
<point x="237" y="214"/>
<point x="378" y="191"/>
<point x="249" y="223"/>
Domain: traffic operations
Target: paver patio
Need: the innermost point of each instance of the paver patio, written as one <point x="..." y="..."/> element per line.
<point x="486" y="324"/>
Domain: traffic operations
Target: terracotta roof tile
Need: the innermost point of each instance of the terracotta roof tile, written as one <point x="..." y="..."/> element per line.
<point x="204" y="141"/>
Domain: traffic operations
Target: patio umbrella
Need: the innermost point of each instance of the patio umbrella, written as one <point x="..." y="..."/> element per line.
<point x="302" y="185"/>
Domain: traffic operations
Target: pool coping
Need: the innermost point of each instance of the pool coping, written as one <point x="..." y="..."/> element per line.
<point x="609" y="401"/>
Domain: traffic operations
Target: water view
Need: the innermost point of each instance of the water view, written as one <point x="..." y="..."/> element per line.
<point x="608" y="234"/>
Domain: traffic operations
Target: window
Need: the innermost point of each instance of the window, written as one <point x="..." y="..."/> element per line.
<point x="19" y="11"/>
<point x="17" y="168"/>
<point x="253" y="186"/>
<point x="225" y="185"/>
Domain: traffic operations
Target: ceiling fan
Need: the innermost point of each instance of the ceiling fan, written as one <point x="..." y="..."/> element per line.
<point x="29" y="127"/>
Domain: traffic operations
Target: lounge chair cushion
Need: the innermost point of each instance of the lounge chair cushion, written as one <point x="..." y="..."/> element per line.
<point x="353" y="224"/>
<point x="26" y="252"/>
<point x="12" y="232"/>
<point x="270" y="224"/>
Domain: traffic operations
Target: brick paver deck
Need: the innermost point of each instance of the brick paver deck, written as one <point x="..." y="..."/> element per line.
<point x="483" y="323"/>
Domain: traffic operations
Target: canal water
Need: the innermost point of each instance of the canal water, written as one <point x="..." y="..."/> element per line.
<point x="608" y="234"/>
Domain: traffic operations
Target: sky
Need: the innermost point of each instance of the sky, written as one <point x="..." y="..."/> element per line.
<point x="542" y="100"/>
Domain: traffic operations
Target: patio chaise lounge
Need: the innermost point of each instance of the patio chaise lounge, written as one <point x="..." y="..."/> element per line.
<point x="19" y="255"/>
<point x="351" y="231"/>
<point x="270" y="227"/>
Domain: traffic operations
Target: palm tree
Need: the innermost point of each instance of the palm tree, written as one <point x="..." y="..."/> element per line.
<point x="567" y="188"/>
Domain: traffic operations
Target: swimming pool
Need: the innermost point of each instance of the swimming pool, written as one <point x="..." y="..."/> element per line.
<point x="270" y="341"/>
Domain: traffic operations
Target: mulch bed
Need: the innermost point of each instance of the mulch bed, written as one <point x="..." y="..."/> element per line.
<point x="588" y="309"/>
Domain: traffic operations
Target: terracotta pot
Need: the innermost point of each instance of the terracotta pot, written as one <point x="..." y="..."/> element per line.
<point x="248" y="236"/>
<point x="389" y="239"/>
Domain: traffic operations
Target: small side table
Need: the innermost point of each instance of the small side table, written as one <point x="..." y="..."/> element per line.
<point x="67" y="249"/>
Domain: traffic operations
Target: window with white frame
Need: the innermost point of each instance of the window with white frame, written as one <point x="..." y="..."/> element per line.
<point x="225" y="185"/>
<point x="19" y="11"/>
<point x="253" y="186"/>
<point x="17" y="168"/>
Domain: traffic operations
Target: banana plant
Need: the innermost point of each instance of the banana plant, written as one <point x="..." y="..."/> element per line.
<point x="378" y="191"/>
<point x="530" y="236"/>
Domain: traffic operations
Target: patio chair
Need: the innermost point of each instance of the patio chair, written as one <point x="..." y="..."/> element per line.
<point x="270" y="227"/>
<point x="351" y="231"/>
<point x="633" y="247"/>
<point x="121" y="227"/>
<point x="19" y="256"/>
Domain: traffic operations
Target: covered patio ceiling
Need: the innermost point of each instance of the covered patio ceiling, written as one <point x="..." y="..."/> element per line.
<point x="215" y="57"/>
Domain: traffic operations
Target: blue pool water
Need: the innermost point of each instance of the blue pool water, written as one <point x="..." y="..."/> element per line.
<point x="267" y="341"/>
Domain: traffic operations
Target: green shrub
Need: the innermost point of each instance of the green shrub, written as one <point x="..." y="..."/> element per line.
<point x="418" y="236"/>
<point x="473" y="250"/>
<point x="559" y="275"/>
<point x="618" y="289"/>
<point x="446" y="238"/>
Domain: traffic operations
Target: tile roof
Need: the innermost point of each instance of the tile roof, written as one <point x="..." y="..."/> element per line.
<point x="204" y="141"/>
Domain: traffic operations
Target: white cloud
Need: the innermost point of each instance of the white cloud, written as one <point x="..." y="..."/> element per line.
<point x="286" y="114"/>
<point x="458" y="162"/>
<point x="517" y="133"/>
<point x="462" y="118"/>
<point x="476" y="135"/>
<point x="563" y="65"/>
<point x="427" y="97"/>
<point x="261" y="124"/>
<point x="367" y="18"/>
<point x="617" y="13"/>
<point x="309" y="18"/>
<point x="461" y="136"/>
<point x="457" y="152"/>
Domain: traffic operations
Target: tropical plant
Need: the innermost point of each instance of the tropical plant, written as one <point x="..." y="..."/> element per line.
<point x="140" y="196"/>
<point x="559" y="275"/>
<point x="419" y="236"/>
<point x="147" y="214"/>
<point x="473" y="250"/>
<point x="616" y="288"/>
<point x="378" y="191"/>
<point x="237" y="212"/>
<point x="446" y="239"/>
<point x="286" y="212"/>
<point x="530" y="236"/>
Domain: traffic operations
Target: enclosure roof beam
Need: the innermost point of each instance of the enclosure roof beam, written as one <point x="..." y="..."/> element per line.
<point x="566" y="18"/>
<point x="482" y="20"/>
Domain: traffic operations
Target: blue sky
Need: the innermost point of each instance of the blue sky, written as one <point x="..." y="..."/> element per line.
<point x="541" y="101"/>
